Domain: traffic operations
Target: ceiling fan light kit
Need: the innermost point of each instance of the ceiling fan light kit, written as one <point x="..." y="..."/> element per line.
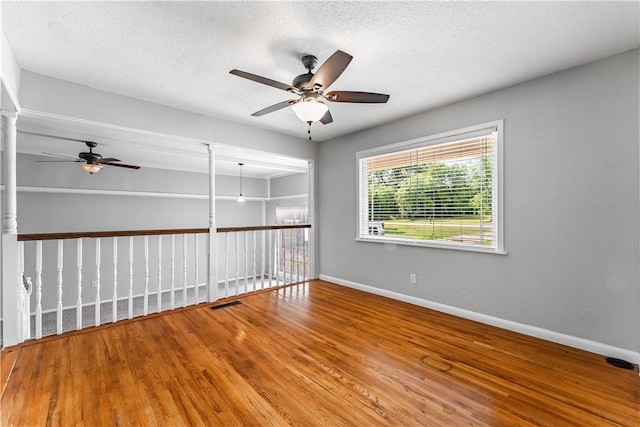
<point x="310" y="110"/>
<point x="311" y="88"/>
<point x="91" y="168"/>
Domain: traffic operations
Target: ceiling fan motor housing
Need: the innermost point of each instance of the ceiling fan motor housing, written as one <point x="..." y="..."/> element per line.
<point x="301" y="81"/>
<point x="90" y="157"/>
<point x="309" y="62"/>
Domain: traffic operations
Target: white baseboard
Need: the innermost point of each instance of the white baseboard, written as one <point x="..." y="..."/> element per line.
<point x="534" y="331"/>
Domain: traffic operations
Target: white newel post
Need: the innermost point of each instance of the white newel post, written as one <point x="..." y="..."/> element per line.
<point x="212" y="249"/>
<point x="13" y="290"/>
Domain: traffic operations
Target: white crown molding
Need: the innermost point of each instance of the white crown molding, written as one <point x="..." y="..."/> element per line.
<point x="97" y="192"/>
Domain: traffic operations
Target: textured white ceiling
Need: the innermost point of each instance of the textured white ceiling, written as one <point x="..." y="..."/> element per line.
<point x="424" y="54"/>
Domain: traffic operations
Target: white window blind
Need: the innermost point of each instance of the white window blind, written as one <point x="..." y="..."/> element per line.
<point x="433" y="191"/>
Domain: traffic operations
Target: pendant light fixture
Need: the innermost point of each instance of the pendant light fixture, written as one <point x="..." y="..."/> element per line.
<point x="240" y="197"/>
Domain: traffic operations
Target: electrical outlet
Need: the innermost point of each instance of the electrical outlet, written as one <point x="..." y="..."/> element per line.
<point x="93" y="283"/>
<point x="413" y="279"/>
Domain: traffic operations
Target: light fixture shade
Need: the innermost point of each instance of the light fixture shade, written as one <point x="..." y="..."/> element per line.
<point x="241" y="198"/>
<point x="310" y="111"/>
<point x="91" y="168"/>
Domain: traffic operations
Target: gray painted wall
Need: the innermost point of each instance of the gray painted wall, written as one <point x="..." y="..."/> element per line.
<point x="50" y="212"/>
<point x="289" y="184"/>
<point x="282" y="188"/>
<point x="571" y="208"/>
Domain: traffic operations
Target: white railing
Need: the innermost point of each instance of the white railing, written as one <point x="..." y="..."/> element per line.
<point x="88" y="279"/>
<point x="262" y="257"/>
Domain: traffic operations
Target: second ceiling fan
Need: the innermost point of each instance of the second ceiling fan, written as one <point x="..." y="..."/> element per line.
<point x="311" y="89"/>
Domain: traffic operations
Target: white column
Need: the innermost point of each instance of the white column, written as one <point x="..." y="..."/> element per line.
<point x="11" y="286"/>
<point x="212" y="279"/>
<point x="9" y="132"/>
<point x="311" y="212"/>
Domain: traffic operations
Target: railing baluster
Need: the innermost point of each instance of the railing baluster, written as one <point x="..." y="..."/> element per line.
<point x="130" y="297"/>
<point x="173" y="271"/>
<point x="159" y="273"/>
<point x="264" y="256"/>
<point x="97" y="309"/>
<point x="298" y="240"/>
<point x="237" y="279"/>
<point x="275" y="263"/>
<point x="283" y="234"/>
<point x="294" y="247"/>
<point x="197" y="267"/>
<point x="255" y="285"/>
<point x="304" y="255"/>
<point x="246" y="262"/>
<point x="282" y="255"/>
<point x="59" y="306"/>
<point x="146" y="276"/>
<point x="39" y="289"/>
<point x="78" y="279"/>
<point x="288" y="250"/>
<point x="114" y="298"/>
<point x="24" y="297"/>
<point x="226" y="265"/>
<point x="295" y="269"/>
<point x="184" y="270"/>
<point x="296" y="257"/>
<point x="270" y="265"/>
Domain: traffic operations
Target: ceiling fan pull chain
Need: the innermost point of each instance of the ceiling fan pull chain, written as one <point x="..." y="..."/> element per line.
<point x="309" y="130"/>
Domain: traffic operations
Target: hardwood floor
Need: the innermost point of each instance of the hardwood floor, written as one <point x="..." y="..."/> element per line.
<point x="312" y="355"/>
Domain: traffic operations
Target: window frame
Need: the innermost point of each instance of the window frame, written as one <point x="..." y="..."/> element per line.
<point x="440" y="138"/>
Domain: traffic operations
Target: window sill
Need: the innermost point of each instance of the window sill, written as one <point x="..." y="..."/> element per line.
<point x="433" y="245"/>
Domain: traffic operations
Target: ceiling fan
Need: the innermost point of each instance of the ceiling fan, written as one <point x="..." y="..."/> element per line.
<point x="311" y="89"/>
<point x="91" y="162"/>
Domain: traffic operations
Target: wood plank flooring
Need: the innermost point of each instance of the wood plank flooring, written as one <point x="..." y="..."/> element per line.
<point x="315" y="354"/>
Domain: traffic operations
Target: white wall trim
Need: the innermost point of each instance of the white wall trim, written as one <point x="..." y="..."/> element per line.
<point x="291" y="196"/>
<point x="534" y="331"/>
<point x="98" y="192"/>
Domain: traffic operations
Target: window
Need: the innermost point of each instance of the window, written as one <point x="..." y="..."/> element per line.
<point x="442" y="190"/>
